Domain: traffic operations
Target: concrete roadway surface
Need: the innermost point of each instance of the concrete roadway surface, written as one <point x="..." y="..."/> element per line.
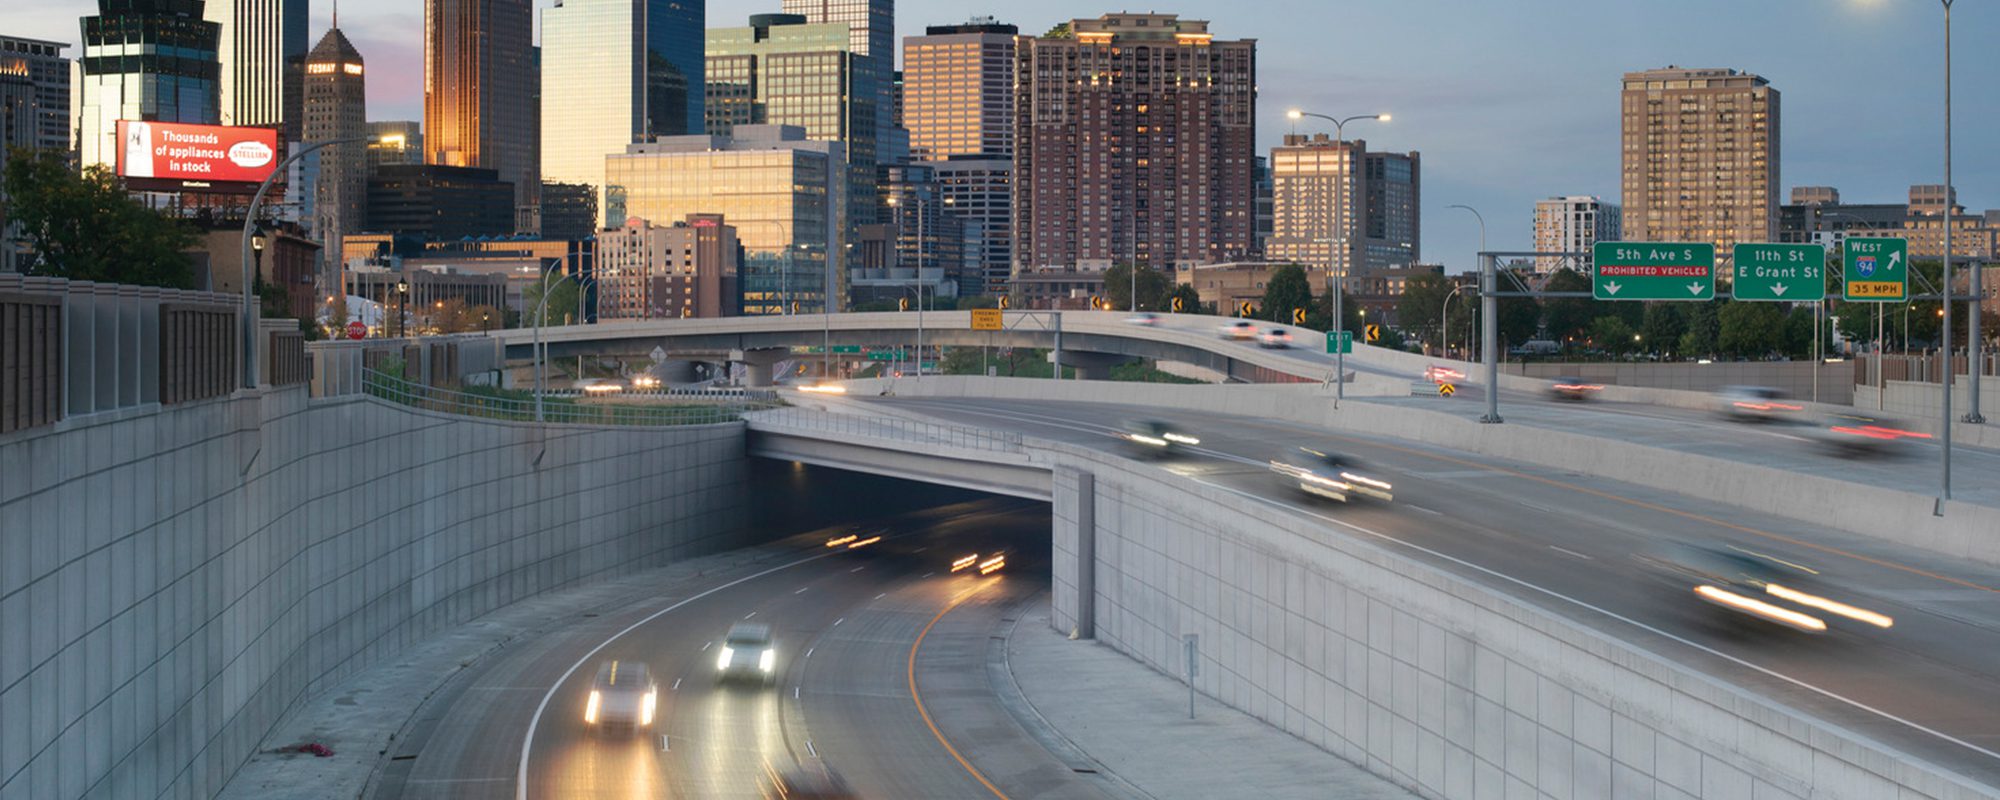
<point x="847" y="625"/>
<point x="1570" y="543"/>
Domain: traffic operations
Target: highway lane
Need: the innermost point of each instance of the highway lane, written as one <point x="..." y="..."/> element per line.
<point x="847" y="624"/>
<point x="1570" y="543"/>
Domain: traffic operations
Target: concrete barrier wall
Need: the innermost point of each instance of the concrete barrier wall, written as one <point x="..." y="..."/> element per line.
<point x="1440" y="684"/>
<point x="1963" y="531"/>
<point x="172" y="583"/>
<point x="1836" y="381"/>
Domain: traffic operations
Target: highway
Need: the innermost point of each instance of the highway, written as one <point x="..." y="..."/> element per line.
<point x="849" y="674"/>
<point x="1571" y="543"/>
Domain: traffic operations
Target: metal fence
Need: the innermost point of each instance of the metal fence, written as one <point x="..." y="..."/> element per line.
<point x="491" y="405"/>
<point x="30" y="360"/>
<point x="891" y="429"/>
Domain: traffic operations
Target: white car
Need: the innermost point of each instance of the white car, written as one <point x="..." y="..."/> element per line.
<point x="1757" y="404"/>
<point x="1147" y="319"/>
<point x="747" y="654"/>
<point x="1241" y="330"/>
<point x="621" y="695"/>
<point x="1274" y="338"/>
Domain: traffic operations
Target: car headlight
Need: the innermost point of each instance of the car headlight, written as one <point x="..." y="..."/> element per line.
<point x="590" y="708"/>
<point x="647" y="705"/>
<point x="722" y="659"/>
<point x="768" y="660"/>
<point x="1181" y="438"/>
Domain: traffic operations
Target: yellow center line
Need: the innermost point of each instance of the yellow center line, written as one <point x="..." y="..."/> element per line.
<point x="926" y="714"/>
<point x="1676" y="512"/>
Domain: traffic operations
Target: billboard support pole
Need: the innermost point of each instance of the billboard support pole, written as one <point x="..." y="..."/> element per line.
<point x="248" y="353"/>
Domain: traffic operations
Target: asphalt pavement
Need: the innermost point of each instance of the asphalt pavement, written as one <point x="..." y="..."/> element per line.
<point x="1573" y="543"/>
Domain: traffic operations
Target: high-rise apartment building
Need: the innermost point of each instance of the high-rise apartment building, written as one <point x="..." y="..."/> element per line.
<point x="43" y="66"/>
<point x="648" y="271"/>
<point x="958" y="87"/>
<point x="616" y="72"/>
<point x="395" y="142"/>
<point x="115" y="80"/>
<point x="479" y="89"/>
<point x="1700" y="157"/>
<point x="256" y="39"/>
<point x="336" y="107"/>
<point x="1336" y="206"/>
<point x="781" y="191"/>
<point x="979" y="190"/>
<point x="783" y="70"/>
<point x="1134" y="138"/>
<point x="1572" y="224"/>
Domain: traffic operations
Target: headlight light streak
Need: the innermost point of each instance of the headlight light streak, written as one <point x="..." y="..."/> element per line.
<point x="1829" y="606"/>
<point x="1782" y="616"/>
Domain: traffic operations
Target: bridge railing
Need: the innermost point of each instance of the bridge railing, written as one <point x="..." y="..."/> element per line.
<point x="520" y="407"/>
<point x="891" y="429"/>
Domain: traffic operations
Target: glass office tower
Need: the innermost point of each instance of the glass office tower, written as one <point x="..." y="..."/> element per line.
<point x="615" y="72"/>
<point x="144" y="59"/>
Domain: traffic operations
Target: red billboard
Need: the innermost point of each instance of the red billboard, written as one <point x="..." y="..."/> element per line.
<point x="194" y="155"/>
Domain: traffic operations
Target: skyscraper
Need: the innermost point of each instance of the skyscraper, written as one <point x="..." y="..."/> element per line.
<point x="336" y="102"/>
<point x="256" y="38"/>
<point x="395" y="142"/>
<point x="43" y="65"/>
<point x="616" y="72"/>
<point x="1134" y="137"/>
<point x="1700" y="157"/>
<point x="479" y="84"/>
<point x="958" y="85"/>
<point x="1572" y="224"/>
<point x="871" y="26"/>
<point x="112" y="86"/>
<point x="1334" y="205"/>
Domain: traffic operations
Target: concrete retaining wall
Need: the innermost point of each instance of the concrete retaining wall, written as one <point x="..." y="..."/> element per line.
<point x="1836" y="381"/>
<point x="172" y="583"/>
<point x="1439" y="684"/>
<point x="1964" y="531"/>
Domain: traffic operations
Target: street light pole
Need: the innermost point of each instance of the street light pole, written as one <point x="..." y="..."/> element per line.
<point x="1337" y="267"/>
<point x="1490" y="319"/>
<point x="249" y="323"/>
<point x="542" y="310"/>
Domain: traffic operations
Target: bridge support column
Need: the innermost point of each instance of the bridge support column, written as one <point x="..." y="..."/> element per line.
<point x="1093" y="366"/>
<point x="758" y="364"/>
<point x="1074" y="604"/>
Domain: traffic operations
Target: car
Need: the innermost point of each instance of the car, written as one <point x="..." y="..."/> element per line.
<point x="1757" y="587"/>
<point x="1573" y="389"/>
<point x="1756" y="404"/>
<point x="747" y="654"/>
<point x="1241" y="330"/>
<point x="622" y="695"/>
<point x="1323" y="473"/>
<point x="1155" y="438"/>
<point x="1147" y="318"/>
<point x="599" y="386"/>
<point x="1274" y="338"/>
<point x="1857" y="436"/>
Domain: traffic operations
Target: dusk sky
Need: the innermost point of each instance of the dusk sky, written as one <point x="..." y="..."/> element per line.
<point x="1507" y="101"/>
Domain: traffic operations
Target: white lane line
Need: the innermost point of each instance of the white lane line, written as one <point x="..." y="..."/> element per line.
<point x="706" y="645"/>
<point x="838" y="621"/>
<point x="928" y="574"/>
<point x="795" y="693"/>
<point x="1571" y="552"/>
<point x="749" y="615"/>
<point x="528" y="739"/>
<point x="920" y="549"/>
<point x="809" y="749"/>
<point x="677" y="685"/>
<point x="857" y="569"/>
<point x="1608" y="613"/>
<point x="1422" y="510"/>
<point x="880" y="596"/>
<point x="665" y="745"/>
<point x="802" y="590"/>
<point x="809" y="652"/>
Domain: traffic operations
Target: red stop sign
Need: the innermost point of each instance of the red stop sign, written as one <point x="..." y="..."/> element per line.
<point x="357" y="330"/>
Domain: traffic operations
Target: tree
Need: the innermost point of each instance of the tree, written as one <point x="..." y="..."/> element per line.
<point x="1520" y="318"/>
<point x="1750" y="329"/>
<point x="561" y="305"/>
<point x="1570" y="317"/>
<point x="1702" y="330"/>
<point x="1612" y="334"/>
<point x="1799" y="332"/>
<point x="1285" y="290"/>
<point x="85" y="227"/>
<point x="1190" y="299"/>
<point x="1422" y="303"/>
<point x="336" y="314"/>
<point x="1153" y="287"/>
<point x="1661" y="326"/>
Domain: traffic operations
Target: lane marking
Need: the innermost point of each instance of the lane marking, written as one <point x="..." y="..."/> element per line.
<point x="795" y="693"/>
<point x="838" y="621"/>
<point x="706" y="645"/>
<point x="921" y="549"/>
<point x="528" y="739"/>
<point x="1422" y="510"/>
<point x="802" y="590"/>
<point x="857" y="569"/>
<point x="1571" y="552"/>
<point x="925" y="713"/>
<point x="665" y="745"/>
<point x="809" y="652"/>
<point x="749" y="615"/>
<point x="676" y="686"/>
<point x="809" y="749"/>
<point x="880" y="596"/>
<point x="928" y="574"/>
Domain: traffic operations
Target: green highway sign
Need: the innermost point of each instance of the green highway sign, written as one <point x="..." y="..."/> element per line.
<point x="847" y="348"/>
<point x="1780" y="272"/>
<point x="1875" y="270"/>
<point x="1339" y="342"/>
<point x="1652" y="271"/>
<point x="888" y="355"/>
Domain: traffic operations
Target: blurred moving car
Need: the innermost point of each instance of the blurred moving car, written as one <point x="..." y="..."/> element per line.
<point x="1274" y="338"/>
<point x="1332" y="476"/>
<point x="621" y="695"/>
<point x="1240" y="330"/>
<point x="1757" y="586"/>
<point x="747" y="653"/>
<point x="1573" y="389"/>
<point x="1156" y="438"/>
<point x="1856" y="436"/>
<point x="1147" y="318"/>
<point x="599" y="385"/>
<point x="1756" y="404"/>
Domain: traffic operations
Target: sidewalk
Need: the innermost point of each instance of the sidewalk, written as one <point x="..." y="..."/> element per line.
<point x="1133" y="721"/>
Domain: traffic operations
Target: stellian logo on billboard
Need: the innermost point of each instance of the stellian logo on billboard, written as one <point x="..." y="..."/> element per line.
<point x="250" y="155"/>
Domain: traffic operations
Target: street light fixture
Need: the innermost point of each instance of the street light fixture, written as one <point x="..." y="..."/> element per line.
<point x="249" y="321"/>
<point x="257" y="250"/>
<point x="1336" y="268"/>
<point x="402" y="295"/>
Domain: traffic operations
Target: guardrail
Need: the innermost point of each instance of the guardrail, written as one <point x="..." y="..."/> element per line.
<point x="492" y="405"/>
<point x="891" y="429"/>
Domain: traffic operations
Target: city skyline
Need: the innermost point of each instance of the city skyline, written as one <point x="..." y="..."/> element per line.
<point x="1507" y="107"/>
